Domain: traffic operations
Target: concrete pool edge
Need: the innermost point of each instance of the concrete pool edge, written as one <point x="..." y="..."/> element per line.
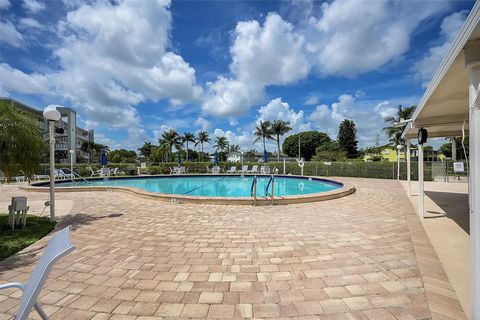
<point x="343" y="191"/>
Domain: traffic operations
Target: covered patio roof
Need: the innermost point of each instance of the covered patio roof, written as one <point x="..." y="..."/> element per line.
<point x="443" y="108"/>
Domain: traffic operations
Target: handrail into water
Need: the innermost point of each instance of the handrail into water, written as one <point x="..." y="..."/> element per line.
<point x="271" y="181"/>
<point x="253" y="190"/>
<point x="82" y="178"/>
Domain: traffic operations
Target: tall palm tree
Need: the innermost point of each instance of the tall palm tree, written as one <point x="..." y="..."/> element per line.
<point x="233" y="148"/>
<point x="279" y="128"/>
<point x="221" y="143"/>
<point x="263" y="132"/>
<point x="188" y="137"/>
<point x="202" y="138"/>
<point x="171" y="139"/>
<point x="146" y="150"/>
<point x="394" y="132"/>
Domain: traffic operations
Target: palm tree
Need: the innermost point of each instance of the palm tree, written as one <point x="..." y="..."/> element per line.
<point x="233" y="148"/>
<point x="188" y="137"/>
<point x="221" y="143"/>
<point x="394" y="132"/>
<point x="279" y="128"/>
<point x="263" y="131"/>
<point x="202" y="138"/>
<point x="146" y="150"/>
<point x="171" y="139"/>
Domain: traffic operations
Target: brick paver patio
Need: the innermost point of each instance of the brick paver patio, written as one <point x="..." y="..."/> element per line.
<point x="364" y="256"/>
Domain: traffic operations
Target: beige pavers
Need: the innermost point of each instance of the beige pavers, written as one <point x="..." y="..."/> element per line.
<point x="364" y="256"/>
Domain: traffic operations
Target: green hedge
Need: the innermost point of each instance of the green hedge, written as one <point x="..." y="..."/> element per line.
<point x="379" y="170"/>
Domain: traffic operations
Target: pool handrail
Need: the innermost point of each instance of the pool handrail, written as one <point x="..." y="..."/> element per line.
<point x="253" y="190"/>
<point x="272" y="182"/>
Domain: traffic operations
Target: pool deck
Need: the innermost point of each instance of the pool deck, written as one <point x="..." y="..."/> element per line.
<point x="364" y="256"/>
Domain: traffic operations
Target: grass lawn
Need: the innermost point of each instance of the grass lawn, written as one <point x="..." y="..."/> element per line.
<point x="13" y="241"/>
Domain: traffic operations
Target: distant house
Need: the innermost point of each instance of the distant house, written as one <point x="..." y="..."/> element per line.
<point x="234" y="157"/>
<point x="388" y="153"/>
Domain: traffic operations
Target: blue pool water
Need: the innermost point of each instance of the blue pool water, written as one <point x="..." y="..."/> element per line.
<point x="216" y="186"/>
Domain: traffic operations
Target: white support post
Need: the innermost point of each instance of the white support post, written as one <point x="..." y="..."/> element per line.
<point x="409" y="181"/>
<point x="454" y="149"/>
<point x="421" y="204"/>
<point x="51" y="129"/>
<point x="398" y="163"/>
<point x="474" y="146"/>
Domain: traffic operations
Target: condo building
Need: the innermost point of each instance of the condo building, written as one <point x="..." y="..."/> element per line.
<point x="72" y="137"/>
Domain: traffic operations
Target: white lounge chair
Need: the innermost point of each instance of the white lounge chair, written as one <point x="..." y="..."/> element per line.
<point x="115" y="172"/>
<point x="58" y="247"/>
<point x="233" y="169"/>
<point x="67" y="174"/>
<point x="41" y="177"/>
<point x="209" y="170"/>
<point x="244" y="169"/>
<point x="254" y="169"/>
<point x="94" y="172"/>
<point x="265" y="170"/>
<point x="216" y="170"/>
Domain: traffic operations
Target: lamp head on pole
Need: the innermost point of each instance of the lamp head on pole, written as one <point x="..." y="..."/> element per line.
<point x="399" y="147"/>
<point x="51" y="114"/>
<point x="72" y="152"/>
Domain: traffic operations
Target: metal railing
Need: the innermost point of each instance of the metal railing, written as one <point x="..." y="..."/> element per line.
<point x="271" y="181"/>
<point x="253" y="190"/>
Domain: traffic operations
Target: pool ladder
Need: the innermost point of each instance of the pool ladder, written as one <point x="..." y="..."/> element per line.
<point x="270" y="182"/>
<point x="253" y="190"/>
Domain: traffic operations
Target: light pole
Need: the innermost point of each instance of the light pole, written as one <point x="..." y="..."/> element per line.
<point x="399" y="147"/>
<point x="52" y="115"/>
<point x="242" y="159"/>
<point x="71" y="162"/>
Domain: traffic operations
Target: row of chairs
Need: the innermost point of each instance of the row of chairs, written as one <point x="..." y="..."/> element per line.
<point x="104" y="172"/>
<point x="244" y="170"/>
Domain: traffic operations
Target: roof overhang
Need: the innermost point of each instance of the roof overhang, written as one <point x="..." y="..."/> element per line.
<point x="443" y="109"/>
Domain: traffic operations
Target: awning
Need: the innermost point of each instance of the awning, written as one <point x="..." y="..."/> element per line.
<point x="444" y="106"/>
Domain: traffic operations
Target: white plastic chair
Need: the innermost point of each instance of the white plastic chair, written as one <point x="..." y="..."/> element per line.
<point x="254" y="169"/>
<point x="58" y="247"/>
<point x="66" y="175"/>
<point x="245" y="169"/>
<point x="233" y="169"/>
<point x="94" y="172"/>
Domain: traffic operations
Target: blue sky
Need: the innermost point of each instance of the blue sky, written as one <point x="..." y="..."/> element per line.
<point x="132" y="69"/>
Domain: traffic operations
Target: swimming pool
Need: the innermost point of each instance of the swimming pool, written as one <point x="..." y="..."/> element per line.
<point x="217" y="186"/>
<point x="214" y="188"/>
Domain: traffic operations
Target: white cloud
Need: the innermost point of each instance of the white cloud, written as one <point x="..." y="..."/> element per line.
<point x="425" y="68"/>
<point x="31" y="23"/>
<point x="203" y="123"/>
<point x="368" y="116"/>
<point x="4" y="4"/>
<point x="277" y="109"/>
<point x="347" y="37"/>
<point x="229" y="97"/>
<point x="113" y="56"/>
<point x="243" y="139"/>
<point x="15" y="80"/>
<point x="312" y="100"/>
<point x="271" y="54"/>
<point x="10" y="35"/>
<point x="33" y="6"/>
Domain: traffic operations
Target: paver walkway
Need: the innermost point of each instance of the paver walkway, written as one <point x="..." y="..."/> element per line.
<point x="358" y="257"/>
